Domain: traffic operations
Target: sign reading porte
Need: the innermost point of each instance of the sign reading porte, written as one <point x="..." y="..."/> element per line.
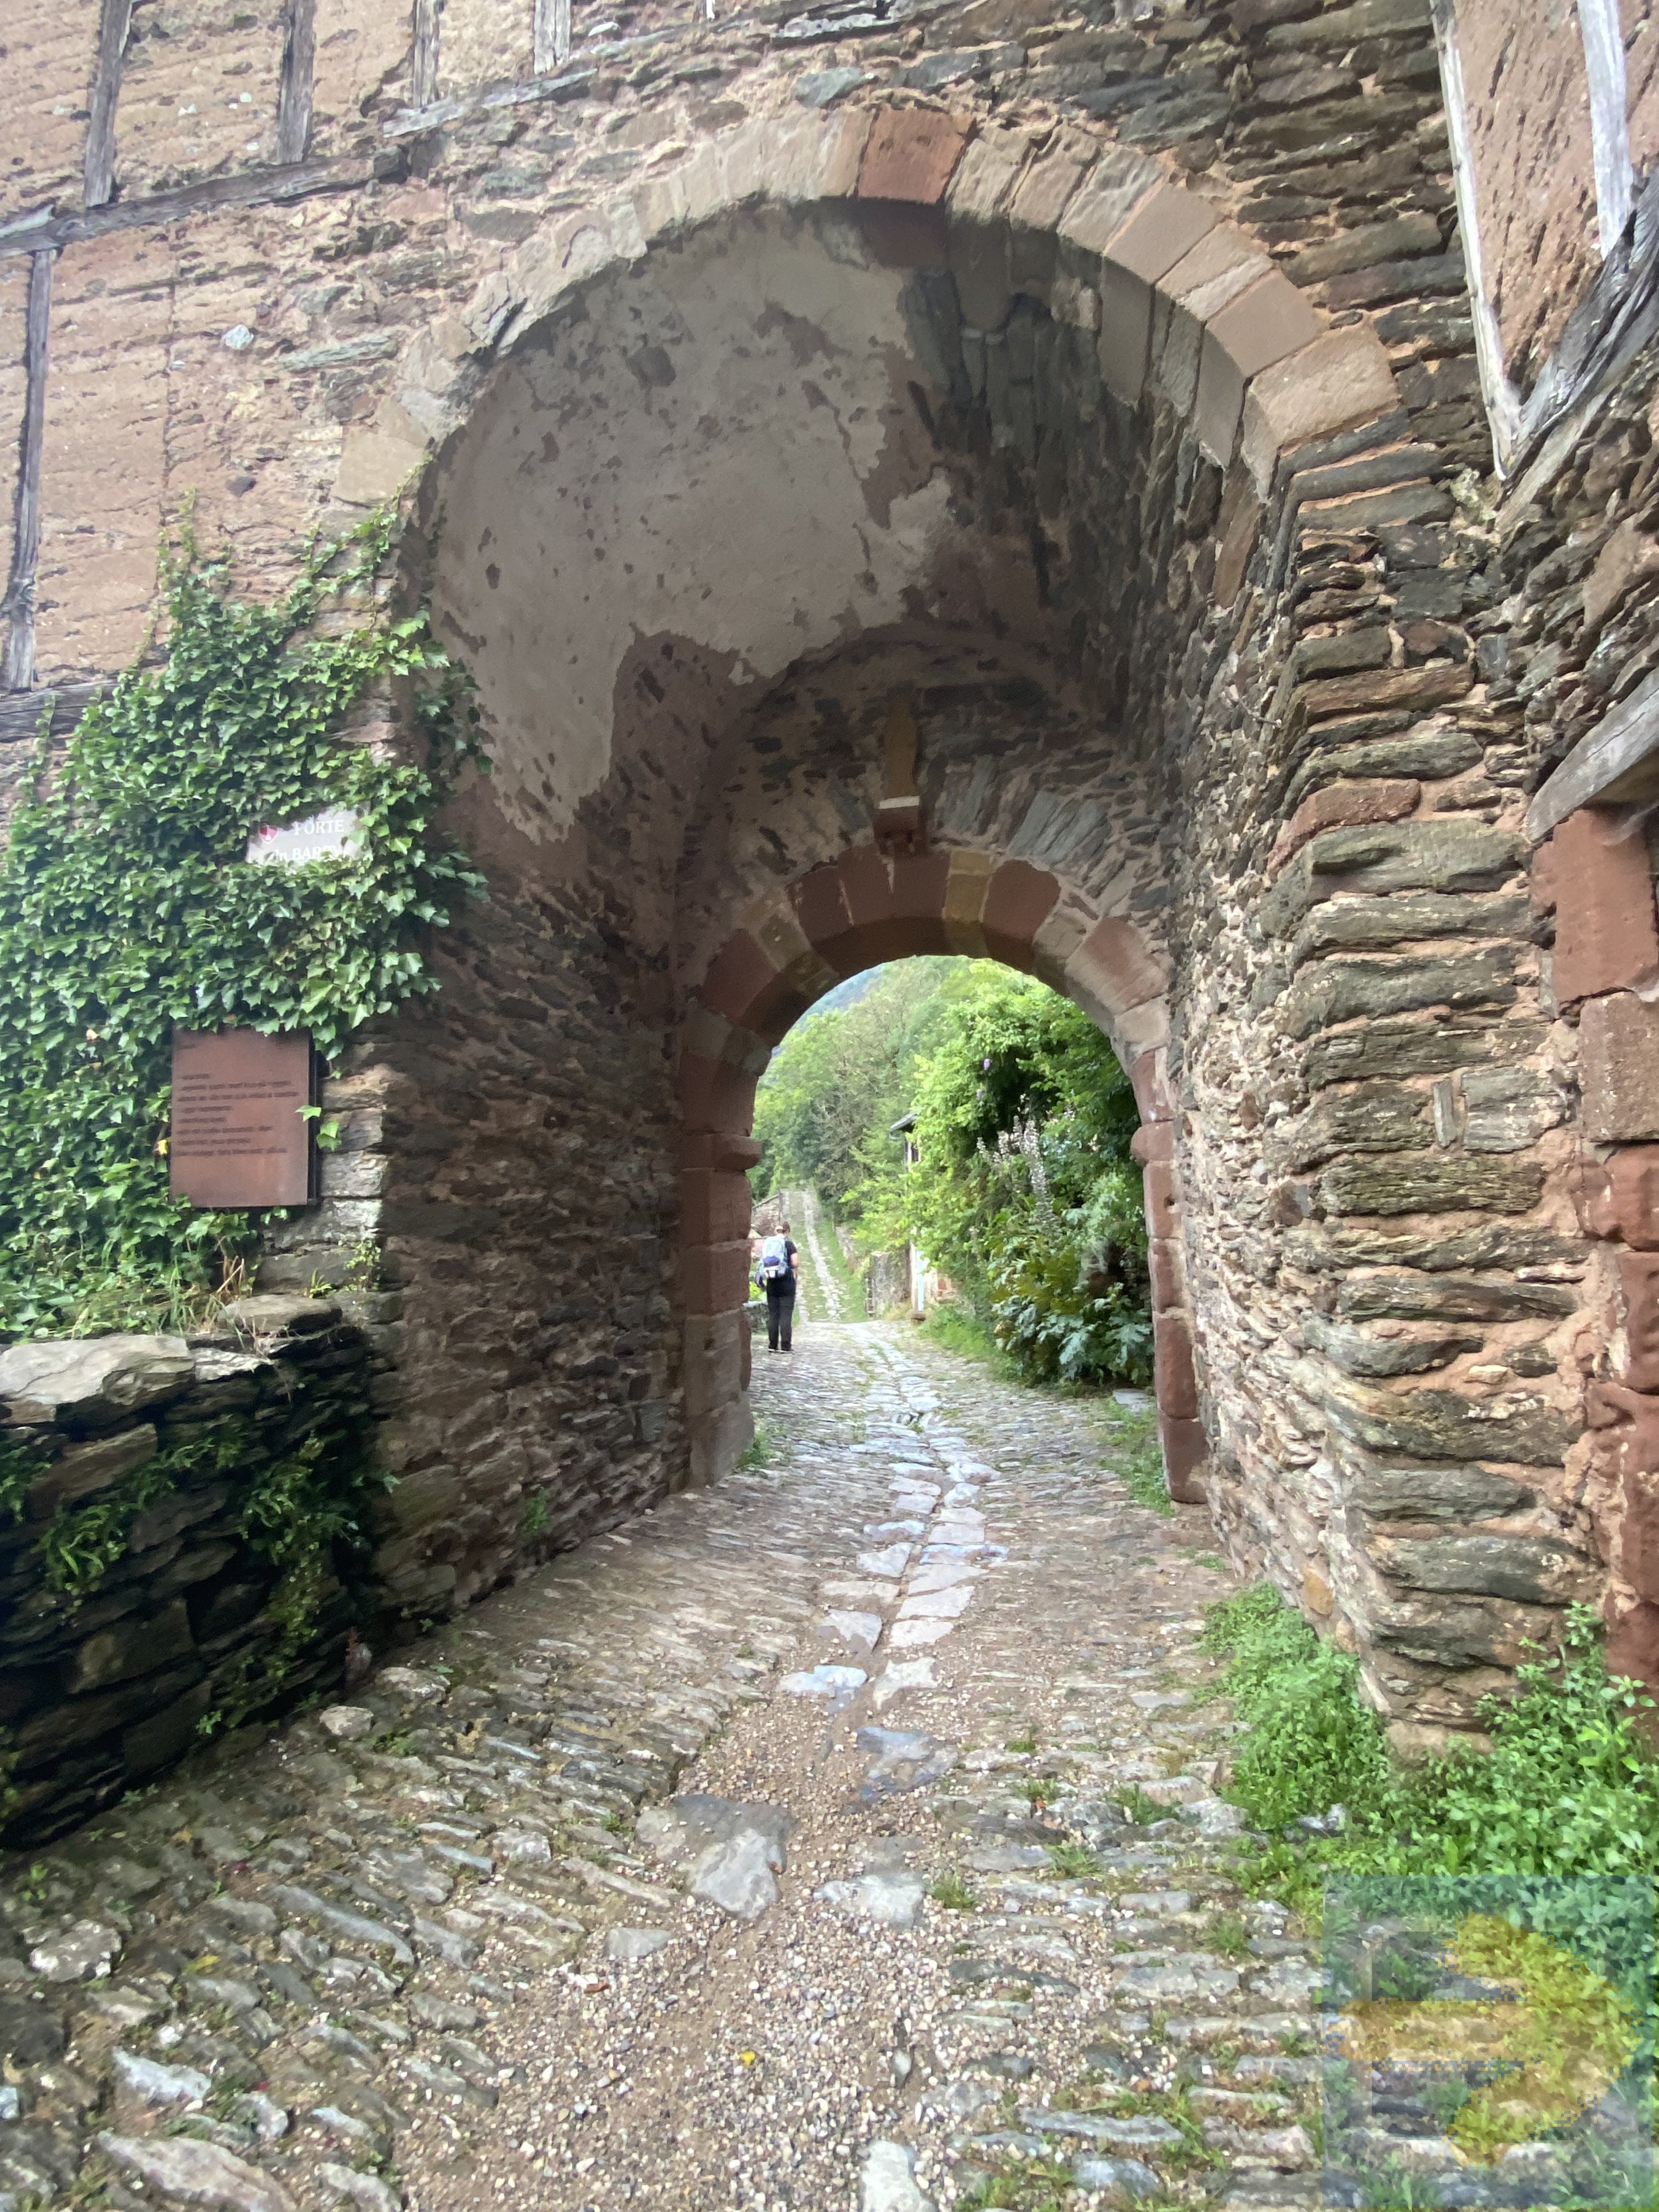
<point x="240" y="1136"/>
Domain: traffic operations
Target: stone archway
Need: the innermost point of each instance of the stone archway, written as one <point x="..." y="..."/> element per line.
<point x="843" y="410"/>
<point x="866" y="906"/>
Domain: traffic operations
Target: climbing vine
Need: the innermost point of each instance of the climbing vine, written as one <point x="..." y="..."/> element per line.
<point x="127" y="907"/>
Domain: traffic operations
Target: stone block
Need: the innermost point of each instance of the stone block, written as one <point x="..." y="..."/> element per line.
<point x="131" y="1648"/>
<point x="1337" y="382"/>
<point x="1410" y="1183"/>
<point x="1238" y="528"/>
<point x="712" y="1352"/>
<point x="868" y="884"/>
<point x="1149" y="1078"/>
<point x="1518" y="1428"/>
<point x="1605" y="934"/>
<point x="267" y="1313"/>
<point x="982" y="183"/>
<point x="375" y="461"/>
<point x="1120" y="179"/>
<point x="1266" y="322"/>
<point x="1618" y="1069"/>
<point x="1424" y="854"/>
<point x="820" y="903"/>
<point x="1168" y="1268"/>
<point x="1115" y="965"/>
<point x="1639" y="1288"/>
<point x="920" y="887"/>
<point x="1390" y="1491"/>
<point x="1186" y="1453"/>
<point x="1153" y="1140"/>
<point x="1218" y="402"/>
<point x="910" y="155"/>
<point x="1126" y="327"/>
<point x="1621" y="1198"/>
<point x="1162" y="1201"/>
<point x="718" y="1442"/>
<point x="93" y="1383"/>
<point x="167" y="1735"/>
<point x="1525" y="1570"/>
<point x="1018" y="901"/>
<point x="1632" y="1645"/>
<point x="1044" y="191"/>
<point x="715" y="1208"/>
<point x="714" y="1278"/>
<point x="1358" y="1352"/>
<point x="88" y="1467"/>
<point x="741" y="978"/>
<point x="1327" y="992"/>
<point x="1343" y="806"/>
<point x="1165" y="224"/>
<point x="713" y="1095"/>
<point x="1629" y="556"/>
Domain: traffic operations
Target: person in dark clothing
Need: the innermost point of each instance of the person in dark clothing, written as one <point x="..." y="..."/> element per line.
<point x="776" y="1277"/>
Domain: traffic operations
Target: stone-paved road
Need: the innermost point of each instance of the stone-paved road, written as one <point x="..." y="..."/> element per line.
<point x="769" y="1852"/>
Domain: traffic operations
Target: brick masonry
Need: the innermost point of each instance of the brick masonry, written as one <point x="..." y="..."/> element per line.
<point x="1109" y="393"/>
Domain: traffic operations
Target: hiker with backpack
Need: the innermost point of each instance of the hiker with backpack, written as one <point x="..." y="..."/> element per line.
<point x="775" y="1275"/>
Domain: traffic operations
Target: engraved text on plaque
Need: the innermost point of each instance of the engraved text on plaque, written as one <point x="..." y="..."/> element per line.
<point x="240" y="1136"/>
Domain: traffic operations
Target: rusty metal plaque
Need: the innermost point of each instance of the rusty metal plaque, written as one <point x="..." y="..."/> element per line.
<point x="239" y="1135"/>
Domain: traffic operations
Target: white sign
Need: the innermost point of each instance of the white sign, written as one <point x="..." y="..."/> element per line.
<point x="322" y="836"/>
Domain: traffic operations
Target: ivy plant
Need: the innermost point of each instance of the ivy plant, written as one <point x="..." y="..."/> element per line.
<point x="127" y="907"/>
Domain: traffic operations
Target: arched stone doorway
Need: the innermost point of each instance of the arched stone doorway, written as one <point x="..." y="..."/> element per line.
<point x="854" y="426"/>
<point x="872" y="905"/>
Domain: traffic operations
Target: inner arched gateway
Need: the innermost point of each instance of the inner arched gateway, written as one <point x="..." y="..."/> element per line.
<point x="869" y="541"/>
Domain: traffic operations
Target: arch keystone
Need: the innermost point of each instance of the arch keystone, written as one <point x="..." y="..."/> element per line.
<point x="911" y="156"/>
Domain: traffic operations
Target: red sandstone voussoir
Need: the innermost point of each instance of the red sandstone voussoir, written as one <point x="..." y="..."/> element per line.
<point x="911" y="154"/>
<point x="1018" y="900"/>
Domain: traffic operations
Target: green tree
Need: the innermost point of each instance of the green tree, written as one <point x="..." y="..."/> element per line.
<point x="843" y="1075"/>
<point x="1025" y="1192"/>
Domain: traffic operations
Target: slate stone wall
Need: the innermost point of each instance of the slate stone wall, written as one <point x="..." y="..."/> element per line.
<point x="175" y="1641"/>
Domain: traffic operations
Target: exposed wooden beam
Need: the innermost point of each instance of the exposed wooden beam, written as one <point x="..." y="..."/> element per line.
<point x="23" y="712"/>
<point x="552" y="35"/>
<point x="294" y="88"/>
<point x="114" y="21"/>
<point x="409" y="122"/>
<point x="19" y="603"/>
<point x="1617" y="761"/>
<point x="423" y="69"/>
<point x="255" y="188"/>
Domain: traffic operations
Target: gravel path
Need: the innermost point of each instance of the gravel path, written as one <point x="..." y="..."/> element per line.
<point x="765" y="1853"/>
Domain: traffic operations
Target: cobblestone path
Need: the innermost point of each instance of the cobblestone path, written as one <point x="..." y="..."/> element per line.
<point x="771" y="1851"/>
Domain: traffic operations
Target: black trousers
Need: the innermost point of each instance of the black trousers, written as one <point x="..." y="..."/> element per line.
<point x="779" y="1314"/>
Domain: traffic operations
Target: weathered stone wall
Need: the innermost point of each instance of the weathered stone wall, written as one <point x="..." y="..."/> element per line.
<point x="1104" y="399"/>
<point x="106" y="1681"/>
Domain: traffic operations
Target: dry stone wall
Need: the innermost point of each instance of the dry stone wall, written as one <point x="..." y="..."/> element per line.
<point x="1107" y="390"/>
<point x="110" y="1677"/>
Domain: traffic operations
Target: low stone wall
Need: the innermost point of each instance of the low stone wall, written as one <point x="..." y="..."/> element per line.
<point x="887" y="1283"/>
<point x="152" y="1592"/>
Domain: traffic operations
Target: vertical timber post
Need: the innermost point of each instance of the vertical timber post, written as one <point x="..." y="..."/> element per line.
<point x="294" y="86"/>
<point x="98" y="180"/>
<point x="19" y="602"/>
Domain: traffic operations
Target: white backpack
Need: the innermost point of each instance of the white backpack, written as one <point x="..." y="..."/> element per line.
<point x="774" y="1261"/>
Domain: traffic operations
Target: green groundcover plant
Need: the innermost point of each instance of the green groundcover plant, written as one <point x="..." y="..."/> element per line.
<point x="127" y="907"/>
<point x="1568" y="1786"/>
